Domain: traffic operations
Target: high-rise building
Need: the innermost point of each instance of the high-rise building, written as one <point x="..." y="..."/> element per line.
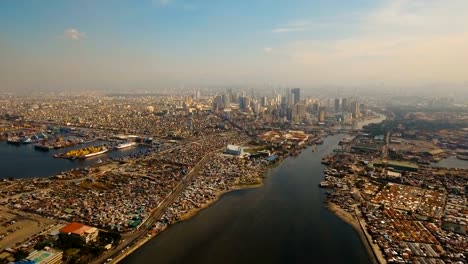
<point x="344" y="105"/>
<point x="226" y="101"/>
<point x="355" y="109"/>
<point x="337" y="105"/>
<point x="315" y="107"/>
<point x="284" y="106"/>
<point x="296" y="98"/>
<point x="322" y="114"/>
<point x="297" y="113"/>
<point x="217" y="103"/>
<point x="244" y="102"/>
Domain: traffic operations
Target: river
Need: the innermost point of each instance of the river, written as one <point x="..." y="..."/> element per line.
<point x="452" y="162"/>
<point x="284" y="221"/>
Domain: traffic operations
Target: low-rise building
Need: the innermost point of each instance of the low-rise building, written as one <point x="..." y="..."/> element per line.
<point x="234" y="150"/>
<point x="79" y="232"/>
<point x="48" y="256"/>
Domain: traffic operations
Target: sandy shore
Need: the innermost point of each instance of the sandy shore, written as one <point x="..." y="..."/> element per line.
<point x="373" y="249"/>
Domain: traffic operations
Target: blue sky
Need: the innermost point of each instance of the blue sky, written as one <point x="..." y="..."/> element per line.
<point x="155" y="43"/>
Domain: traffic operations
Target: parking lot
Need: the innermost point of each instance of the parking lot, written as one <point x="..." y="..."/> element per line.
<point x="18" y="227"/>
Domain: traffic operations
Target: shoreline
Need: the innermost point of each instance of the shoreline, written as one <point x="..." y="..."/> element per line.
<point x="372" y="250"/>
<point x="195" y="211"/>
<point x="184" y="217"/>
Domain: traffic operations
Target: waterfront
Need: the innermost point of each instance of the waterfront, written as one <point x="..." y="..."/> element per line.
<point x="452" y="162"/>
<point x="25" y="162"/>
<point x="284" y="221"/>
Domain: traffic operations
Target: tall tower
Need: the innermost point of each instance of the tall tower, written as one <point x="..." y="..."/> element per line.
<point x="296" y="92"/>
<point x="337" y="105"/>
<point x="355" y="109"/>
<point x="344" y="104"/>
<point x="322" y="114"/>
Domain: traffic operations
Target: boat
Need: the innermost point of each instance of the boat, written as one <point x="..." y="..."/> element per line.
<point x="125" y="145"/>
<point x="43" y="147"/>
<point x="84" y="153"/>
<point x="14" y="141"/>
<point x="462" y="157"/>
<point x="99" y="161"/>
<point x="104" y="150"/>
<point x="324" y="184"/>
<point x="26" y="140"/>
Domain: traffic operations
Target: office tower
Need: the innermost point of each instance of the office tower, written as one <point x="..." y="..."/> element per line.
<point x="355" y="109"/>
<point x="298" y="112"/>
<point x="322" y="114"/>
<point x="244" y="102"/>
<point x="344" y="104"/>
<point x="284" y="106"/>
<point x="226" y="101"/>
<point x="337" y="105"/>
<point x="315" y="107"/>
<point x="296" y="95"/>
<point x="217" y="103"/>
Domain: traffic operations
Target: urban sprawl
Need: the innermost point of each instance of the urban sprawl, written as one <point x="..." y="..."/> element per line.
<point x="189" y="150"/>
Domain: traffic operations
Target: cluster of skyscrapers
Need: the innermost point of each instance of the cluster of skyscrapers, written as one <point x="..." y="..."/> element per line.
<point x="290" y="106"/>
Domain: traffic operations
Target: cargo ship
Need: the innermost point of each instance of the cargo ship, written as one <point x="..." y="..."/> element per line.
<point x="83" y="153"/>
<point x="125" y="145"/>
<point x="102" y="151"/>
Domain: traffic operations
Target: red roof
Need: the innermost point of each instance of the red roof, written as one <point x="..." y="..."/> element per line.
<point x="71" y="228"/>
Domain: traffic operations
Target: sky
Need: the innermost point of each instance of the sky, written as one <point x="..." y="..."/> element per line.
<point x="153" y="44"/>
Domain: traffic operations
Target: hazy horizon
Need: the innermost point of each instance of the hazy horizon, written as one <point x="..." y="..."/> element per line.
<point x="399" y="45"/>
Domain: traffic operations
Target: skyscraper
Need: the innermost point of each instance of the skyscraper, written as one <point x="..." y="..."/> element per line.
<point x="337" y="105"/>
<point x="344" y="104"/>
<point x="355" y="109"/>
<point x="322" y="114"/>
<point x="315" y="107"/>
<point x="244" y="102"/>
<point x="296" y="98"/>
<point x="226" y="101"/>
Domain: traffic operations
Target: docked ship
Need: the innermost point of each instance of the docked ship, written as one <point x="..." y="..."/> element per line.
<point x="125" y="145"/>
<point x="462" y="157"/>
<point x="84" y="153"/>
<point x="26" y="140"/>
<point x="102" y="151"/>
<point x="13" y="140"/>
<point x="43" y="147"/>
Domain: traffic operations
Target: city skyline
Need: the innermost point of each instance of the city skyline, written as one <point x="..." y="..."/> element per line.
<point x="155" y="44"/>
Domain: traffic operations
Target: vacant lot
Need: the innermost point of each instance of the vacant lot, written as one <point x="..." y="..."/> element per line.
<point x="18" y="227"/>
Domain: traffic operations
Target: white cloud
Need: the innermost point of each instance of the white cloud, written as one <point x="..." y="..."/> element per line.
<point x="74" y="34"/>
<point x="267" y="49"/>
<point x="402" y="41"/>
<point x="297" y="26"/>
<point x="289" y="29"/>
